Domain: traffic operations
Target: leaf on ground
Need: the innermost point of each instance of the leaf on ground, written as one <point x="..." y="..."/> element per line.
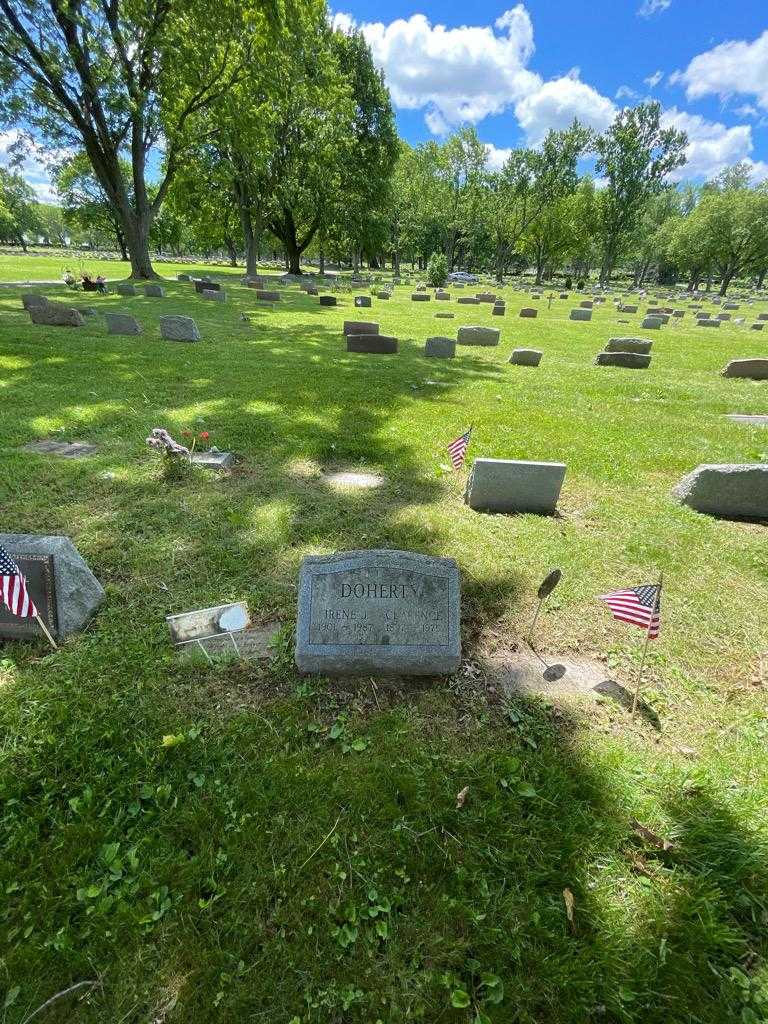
<point x="638" y="864"/>
<point x="570" y="903"/>
<point x="461" y="798"/>
<point x="650" y="837"/>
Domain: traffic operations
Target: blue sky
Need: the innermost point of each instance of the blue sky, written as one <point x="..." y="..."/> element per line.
<point x="514" y="71"/>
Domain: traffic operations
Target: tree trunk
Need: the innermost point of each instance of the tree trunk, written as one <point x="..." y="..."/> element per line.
<point x="727" y="276"/>
<point x="137" y="241"/>
<point x="322" y="263"/>
<point x="230" y="244"/>
<point x="761" y="278"/>
<point x="121" y="243"/>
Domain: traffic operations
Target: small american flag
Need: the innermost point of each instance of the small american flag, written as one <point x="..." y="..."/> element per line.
<point x="13" y="588"/>
<point x="458" y="449"/>
<point x="640" y="606"/>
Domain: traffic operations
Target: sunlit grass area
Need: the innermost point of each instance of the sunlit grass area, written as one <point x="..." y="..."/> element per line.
<point x="263" y="867"/>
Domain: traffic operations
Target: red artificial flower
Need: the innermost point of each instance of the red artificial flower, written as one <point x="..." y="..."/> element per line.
<point x="204" y="435"/>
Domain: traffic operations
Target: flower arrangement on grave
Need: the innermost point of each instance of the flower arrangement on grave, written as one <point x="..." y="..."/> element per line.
<point x="161" y="441"/>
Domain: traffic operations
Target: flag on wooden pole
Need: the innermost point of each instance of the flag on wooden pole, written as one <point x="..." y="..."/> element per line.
<point x="14" y="595"/>
<point x="458" y="449"/>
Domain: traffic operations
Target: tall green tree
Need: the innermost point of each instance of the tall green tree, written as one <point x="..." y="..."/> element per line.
<point x="119" y="78"/>
<point x="19" y="209"/>
<point x="366" y="172"/>
<point x="634" y="155"/>
<point x="85" y="203"/>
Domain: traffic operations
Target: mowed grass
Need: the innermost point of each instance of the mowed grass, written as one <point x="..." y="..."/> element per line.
<point x="296" y="854"/>
<point x="40" y="265"/>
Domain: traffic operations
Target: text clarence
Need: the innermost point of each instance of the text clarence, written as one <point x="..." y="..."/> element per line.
<point x="386" y="590"/>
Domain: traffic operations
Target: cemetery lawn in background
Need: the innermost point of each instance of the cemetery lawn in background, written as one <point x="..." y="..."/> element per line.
<point x="232" y="842"/>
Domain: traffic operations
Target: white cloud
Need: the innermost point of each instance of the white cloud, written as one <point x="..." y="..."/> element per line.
<point x="712" y="145"/>
<point x="653" y="80"/>
<point x="625" y="93"/>
<point x="733" y="67"/>
<point x="650" y="7"/>
<point x="496" y="156"/>
<point x="342" y="22"/>
<point x="461" y="74"/>
<point x="747" y="110"/>
<point x="556" y="103"/>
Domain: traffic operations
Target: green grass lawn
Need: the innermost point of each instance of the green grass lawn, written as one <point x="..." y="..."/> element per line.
<point x="267" y="867"/>
<point x="39" y="265"/>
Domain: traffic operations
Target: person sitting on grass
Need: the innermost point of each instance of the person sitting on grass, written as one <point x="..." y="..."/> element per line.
<point x="70" y="280"/>
<point x="101" y="284"/>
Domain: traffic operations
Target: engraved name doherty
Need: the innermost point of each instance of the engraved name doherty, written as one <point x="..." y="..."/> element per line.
<point x="379" y="611"/>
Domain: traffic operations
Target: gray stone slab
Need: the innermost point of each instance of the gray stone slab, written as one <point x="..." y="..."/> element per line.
<point x="762" y="316"/>
<point x="444" y="316"/>
<point x="360" y="327"/>
<point x="499" y="310"/>
<point x="752" y="369"/>
<point x="31" y="299"/>
<point x="382" y="295"/>
<point x="56" y="314"/>
<point x="65" y="449"/>
<point x="216" y="296"/>
<point x="381" y="613"/>
<point x="580" y="314"/>
<point x="213" y="460"/>
<point x="758" y="420"/>
<point x="526" y="357"/>
<point x="726" y="490"/>
<point x="730" y="305"/>
<point x="420" y="297"/>
<point x="485" y="296"/>
<point x="550" y="675"/>
<point x="154" y="291"/>
<point x="126" y="290"/>
<point x="327" y="300"/>
<point x="354" y="479"/>
<point x="529" y="311"/>
<point x="586" y="304"/>
<point x="756" y="327"/>
<point x="179" y="328"/>
<point x="642" y="345"/>
<point x="723" y="316"/>
<point x="363" y="301"/>
<point x="373" y="344"/>
<point x="440" y="348"/>
<point x="206" y="285"/>
<point x="443" y="296"/>
<point x="122" y="323"/>
<point x="486" y="336"/>
<point x="652" y="323"/>
<point x="468" y="300"/>
<point x="627" y="309"/>
<point x="264" y="295"/>
<point x="512" y="485"/>
<point x="627" y="360"/>
<point x="707" y="323"/>
<point x="78" y="593"/>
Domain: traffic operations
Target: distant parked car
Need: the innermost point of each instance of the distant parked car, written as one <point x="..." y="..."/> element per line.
<point x="463" y="276"/>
